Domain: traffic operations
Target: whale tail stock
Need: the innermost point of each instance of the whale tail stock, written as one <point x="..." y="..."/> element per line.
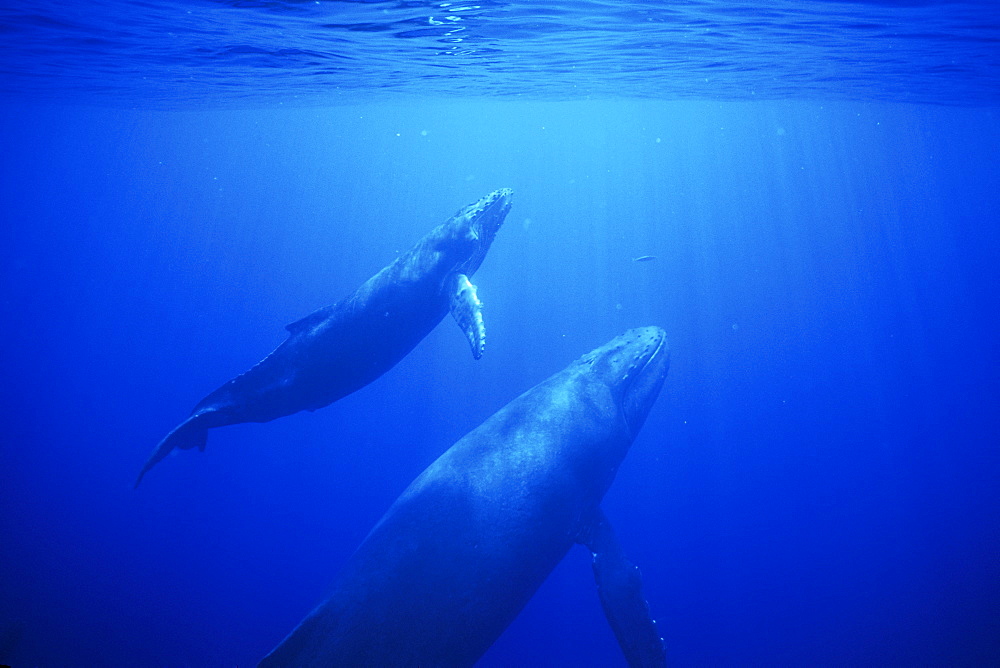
<point x="188" y="434"/>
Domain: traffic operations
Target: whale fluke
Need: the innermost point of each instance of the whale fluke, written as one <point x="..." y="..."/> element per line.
<point x="188" y="434"/>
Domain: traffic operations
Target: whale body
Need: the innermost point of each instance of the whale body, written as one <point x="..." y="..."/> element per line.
<point x="341" y="348"/>
<point x="468" y="543"/>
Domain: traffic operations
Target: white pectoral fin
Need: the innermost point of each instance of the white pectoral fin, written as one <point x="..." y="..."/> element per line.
<point x="619" y="585"/>
<point x="467" y="311"/>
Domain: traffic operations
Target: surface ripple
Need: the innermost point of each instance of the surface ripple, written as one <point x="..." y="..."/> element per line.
<point x="176" y="54"/>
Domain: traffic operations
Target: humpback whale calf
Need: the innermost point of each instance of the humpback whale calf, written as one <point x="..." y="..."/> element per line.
<point x="458" y="555"/>
<point x="341" y="348"/>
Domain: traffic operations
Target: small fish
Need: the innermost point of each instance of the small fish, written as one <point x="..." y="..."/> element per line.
<point x="644" y="258"/>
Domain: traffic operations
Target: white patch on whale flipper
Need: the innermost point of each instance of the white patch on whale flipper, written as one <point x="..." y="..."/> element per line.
<point x="467" y="311"/>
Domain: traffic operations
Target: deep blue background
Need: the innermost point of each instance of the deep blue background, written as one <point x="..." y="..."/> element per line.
<point x="816" y="485"/>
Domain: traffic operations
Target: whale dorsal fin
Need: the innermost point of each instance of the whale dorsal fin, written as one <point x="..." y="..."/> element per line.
<point x="619" y="585"/>
<point x="310" y="320"/>
<point x="468" y="311"/>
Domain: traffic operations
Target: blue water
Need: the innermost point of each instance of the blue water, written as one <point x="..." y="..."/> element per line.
<point x="183" y="54"/>
<point x="817" y="484"/>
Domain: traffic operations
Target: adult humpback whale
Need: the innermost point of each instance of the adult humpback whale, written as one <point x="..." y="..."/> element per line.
<point x="458" y="555"/>
<point x="341" y="348"/>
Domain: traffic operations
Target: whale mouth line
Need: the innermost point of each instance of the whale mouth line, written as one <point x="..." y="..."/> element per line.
<point x="486" y="217"/>
<point x="486" y="204"/>
<point x="642" y="362"/>
<point x="489" y="199"/>
<point x="629" y="392"/>
<point x="477" y="225"/>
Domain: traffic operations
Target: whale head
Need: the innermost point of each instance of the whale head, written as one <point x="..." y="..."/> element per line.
<point x="633" y="366"/>
<point x="477" y="225"/>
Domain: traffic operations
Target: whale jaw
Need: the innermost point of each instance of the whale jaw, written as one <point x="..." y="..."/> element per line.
<point x="634" y="366"/>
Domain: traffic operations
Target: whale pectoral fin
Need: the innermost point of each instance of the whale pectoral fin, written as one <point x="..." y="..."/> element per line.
<point x="619" y="585"/>
<point x="186" y="435"/>
<point x="468" y="311"/>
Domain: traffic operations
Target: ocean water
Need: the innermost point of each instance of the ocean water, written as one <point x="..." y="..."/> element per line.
<point x="818" y="182"/>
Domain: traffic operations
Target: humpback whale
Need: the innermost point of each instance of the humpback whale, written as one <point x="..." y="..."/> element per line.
<point x="341" y="348"/>
<point x="466" y="545"/>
